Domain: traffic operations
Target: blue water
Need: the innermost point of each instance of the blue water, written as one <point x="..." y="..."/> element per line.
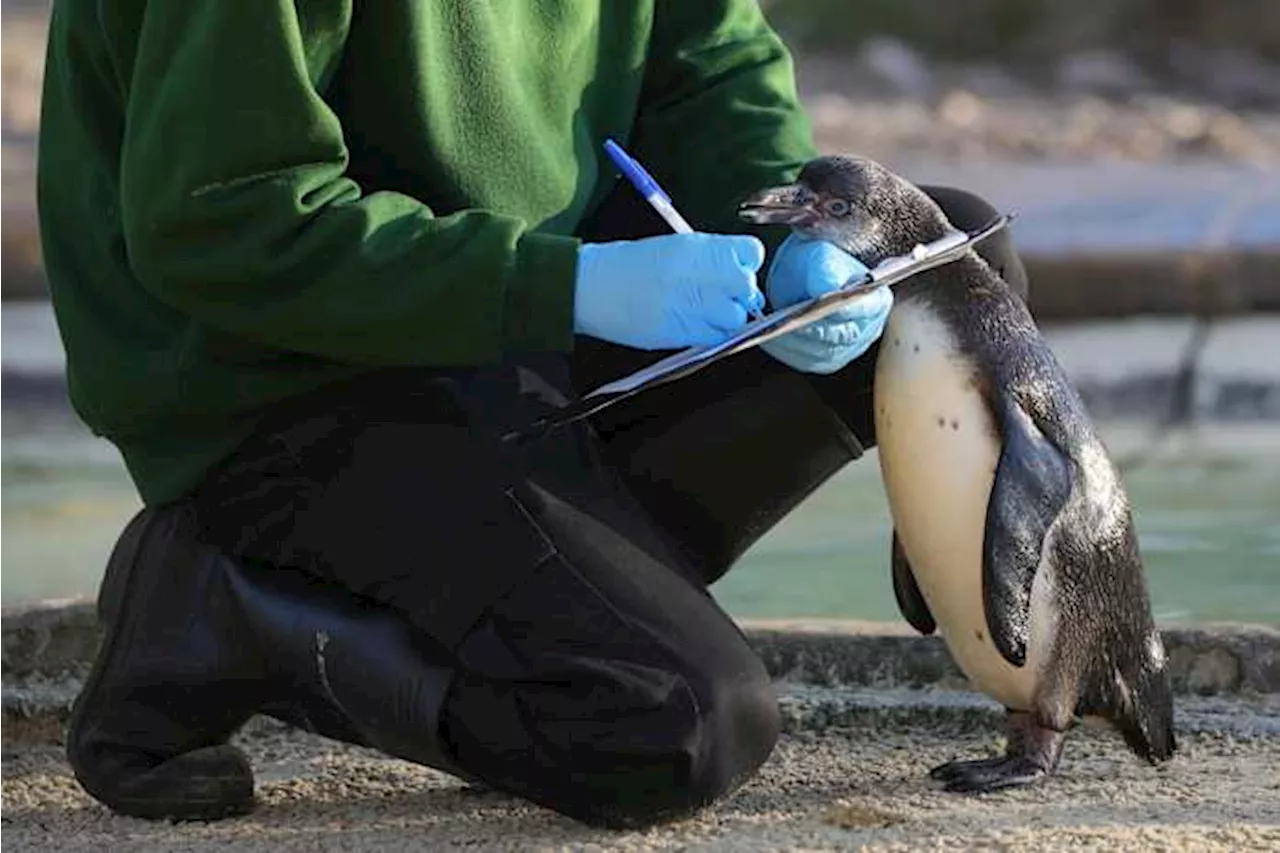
<point x="1208" y="517"/>
<point x="1209" y="531"/>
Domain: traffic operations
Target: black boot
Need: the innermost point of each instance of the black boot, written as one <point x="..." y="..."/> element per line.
<point x="171" y="682"/>
<point x="345" y="668"/>
<point x="196" y="643"/>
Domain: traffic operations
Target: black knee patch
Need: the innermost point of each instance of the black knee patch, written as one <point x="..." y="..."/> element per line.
<point x="740" y="730"/>
<point x="713" y="748"/>
<point x="607" y="685"/>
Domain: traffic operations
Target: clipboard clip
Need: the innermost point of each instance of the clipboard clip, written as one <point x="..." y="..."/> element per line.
<point x="889" y="272"/>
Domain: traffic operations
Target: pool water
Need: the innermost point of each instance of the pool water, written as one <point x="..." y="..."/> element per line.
<point x="1207" y="509"/>
<point x="1208" y="528"/>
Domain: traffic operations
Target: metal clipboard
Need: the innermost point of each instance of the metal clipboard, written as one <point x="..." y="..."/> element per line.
<point x="887" y="273"/>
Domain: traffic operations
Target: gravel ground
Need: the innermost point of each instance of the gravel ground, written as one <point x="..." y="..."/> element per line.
<point x="838" y="790"/>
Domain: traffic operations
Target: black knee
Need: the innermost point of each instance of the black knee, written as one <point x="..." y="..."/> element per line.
<point x="740" y="723"/>
<point x="970" y="212"/>
<point x="617" y="745"/>
<point x="720" y="730"/>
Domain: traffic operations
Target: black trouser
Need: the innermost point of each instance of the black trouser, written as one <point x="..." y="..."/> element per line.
<point x="565" y="580"/>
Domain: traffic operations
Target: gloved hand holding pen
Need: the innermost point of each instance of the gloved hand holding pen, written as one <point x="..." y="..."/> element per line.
<point x="697" y="289"/>
<point x="686" y="289"/>
<point x="667" y="292"/>
<point x="682" y="290"/>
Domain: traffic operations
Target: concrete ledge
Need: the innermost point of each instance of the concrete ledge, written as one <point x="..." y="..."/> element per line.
<point x="47" y="651"/>
<point x="36" y="709"/>
<point x="50" y="639"/>
<point x="1203" y="660"/>
<point x="39" y="703"/>
<point x="1107" y="284"/>
<point x="831" y="675"/>
<point x="809" y="709"/>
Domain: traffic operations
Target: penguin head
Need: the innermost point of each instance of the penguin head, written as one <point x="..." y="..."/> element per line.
<point x="853" y="202"/>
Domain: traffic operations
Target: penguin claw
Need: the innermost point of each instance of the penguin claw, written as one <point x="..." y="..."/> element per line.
<point x="990" y="774"/>
<point x="953" y="769"/>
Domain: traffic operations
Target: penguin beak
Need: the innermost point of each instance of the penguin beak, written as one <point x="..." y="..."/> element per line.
<point x="792" y="204"/>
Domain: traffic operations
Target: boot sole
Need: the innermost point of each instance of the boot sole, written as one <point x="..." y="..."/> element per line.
<point x="215" y="782"/>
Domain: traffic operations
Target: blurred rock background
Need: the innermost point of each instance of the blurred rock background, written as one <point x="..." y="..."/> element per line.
<point x="24" y="23"/>
<point x="1143" y="80"/>
<point x="1003" y="96"/>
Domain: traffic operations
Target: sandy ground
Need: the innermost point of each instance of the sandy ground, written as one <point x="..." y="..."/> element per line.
<point x="835" y="791"/>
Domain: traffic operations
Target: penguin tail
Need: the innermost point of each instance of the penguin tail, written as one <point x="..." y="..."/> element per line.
<point x="1145" y="718"/>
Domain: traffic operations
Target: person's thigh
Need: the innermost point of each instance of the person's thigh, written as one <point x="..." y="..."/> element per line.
<point x="594" y="674"/>
<point x="380" y="485"/>
<point x="605" y="684"/>
<point x="718" y="458"/>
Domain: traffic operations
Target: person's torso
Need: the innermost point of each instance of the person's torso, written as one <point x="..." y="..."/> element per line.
<point x="501" y="105"/>
<point x="493" y="105"/>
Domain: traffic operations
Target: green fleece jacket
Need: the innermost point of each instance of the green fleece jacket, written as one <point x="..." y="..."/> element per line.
<point x="241" y="200"/>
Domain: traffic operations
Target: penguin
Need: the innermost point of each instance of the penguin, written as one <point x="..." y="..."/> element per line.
<point x="1013" y="534"/>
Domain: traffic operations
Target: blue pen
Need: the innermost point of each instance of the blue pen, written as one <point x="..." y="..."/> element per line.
<point x="648" y="187"/>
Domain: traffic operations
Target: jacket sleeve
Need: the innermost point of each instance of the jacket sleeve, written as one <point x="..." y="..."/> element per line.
<point x="719" y="116"/>
<point x="238" y="211"/>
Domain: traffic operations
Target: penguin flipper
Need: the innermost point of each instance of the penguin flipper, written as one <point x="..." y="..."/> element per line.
<point x="1032" y="484"/>
<point x="905" y="589"/>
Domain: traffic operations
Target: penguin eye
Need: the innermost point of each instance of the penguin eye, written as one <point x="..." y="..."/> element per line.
<point x="837" y="207"/>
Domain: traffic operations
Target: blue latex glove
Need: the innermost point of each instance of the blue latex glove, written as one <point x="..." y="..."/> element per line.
<point x="804" y="268"/>
<point x="667" y="292"/>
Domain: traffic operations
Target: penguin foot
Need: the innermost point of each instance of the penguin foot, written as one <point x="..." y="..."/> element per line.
<point x="1032" y="754"/>
<point x="989" y="774"/>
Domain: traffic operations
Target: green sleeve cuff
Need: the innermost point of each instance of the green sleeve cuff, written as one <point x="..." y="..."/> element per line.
<point x="538" y="308"/>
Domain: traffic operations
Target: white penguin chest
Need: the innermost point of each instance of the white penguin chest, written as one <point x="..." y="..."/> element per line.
<point x="938" y="452"/>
